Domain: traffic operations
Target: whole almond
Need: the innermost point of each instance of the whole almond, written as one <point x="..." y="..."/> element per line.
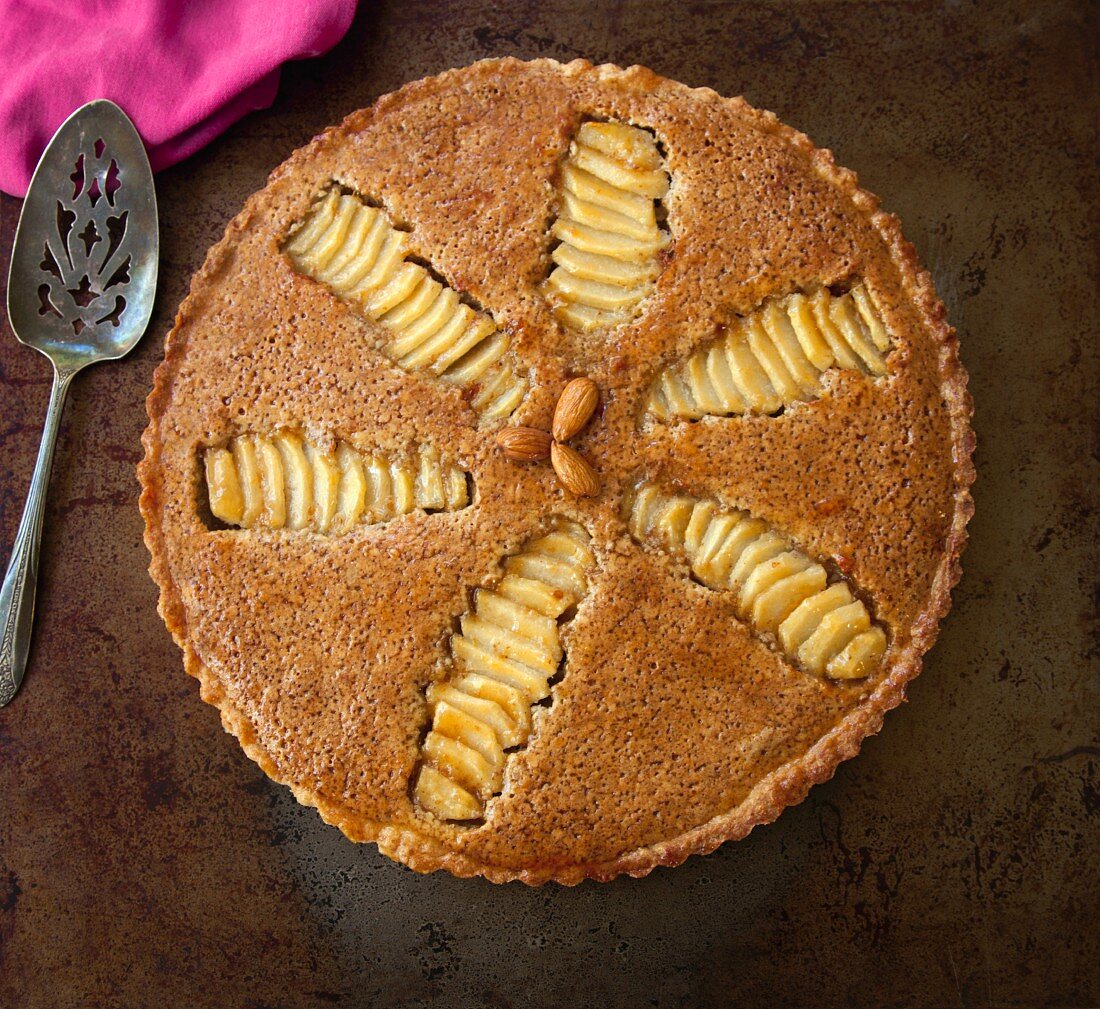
<point x="573" y="470"/>
<point x="524" y="444"/>
<point x="576" y="404"/>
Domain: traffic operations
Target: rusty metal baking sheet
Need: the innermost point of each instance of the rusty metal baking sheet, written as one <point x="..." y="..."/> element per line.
<point x="145" y="862"/>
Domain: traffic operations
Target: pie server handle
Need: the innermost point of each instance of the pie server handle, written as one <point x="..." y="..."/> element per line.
<point x="21" y="581"/>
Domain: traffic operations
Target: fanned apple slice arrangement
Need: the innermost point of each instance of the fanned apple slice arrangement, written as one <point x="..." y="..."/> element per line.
<point x="287" y="482"/>
<point x="357" y="253"/>
<point x="507" y="654"/>
<point x="504" y="660"/>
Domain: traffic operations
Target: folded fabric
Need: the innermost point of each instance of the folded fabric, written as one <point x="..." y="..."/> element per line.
<point x="183" y="70"/>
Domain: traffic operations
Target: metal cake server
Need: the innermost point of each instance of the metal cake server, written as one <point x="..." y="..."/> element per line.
<point x="80" y="290"/>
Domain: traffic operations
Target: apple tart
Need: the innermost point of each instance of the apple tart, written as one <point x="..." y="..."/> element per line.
<point x="393" y="601"/>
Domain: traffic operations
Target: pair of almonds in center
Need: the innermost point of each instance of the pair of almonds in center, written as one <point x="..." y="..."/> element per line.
<point x="574" y="410"/>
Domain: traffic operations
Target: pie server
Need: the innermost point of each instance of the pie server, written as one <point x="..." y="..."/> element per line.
<point x="80" y="290"/>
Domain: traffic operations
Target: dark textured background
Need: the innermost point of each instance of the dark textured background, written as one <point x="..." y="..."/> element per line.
<point x="144" y="861"/>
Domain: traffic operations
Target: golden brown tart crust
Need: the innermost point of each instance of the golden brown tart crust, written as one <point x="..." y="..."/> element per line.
<point x="673" y="728"/>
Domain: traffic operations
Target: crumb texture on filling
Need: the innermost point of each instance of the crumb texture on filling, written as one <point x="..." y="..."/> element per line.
<point x="284" y="481"/>
<point x="608" y="235"/>
<point x="815" y="621"/>
<point x="504" y="659"/>
<point x="775" y="356"/>
<point x="357" y="253"/>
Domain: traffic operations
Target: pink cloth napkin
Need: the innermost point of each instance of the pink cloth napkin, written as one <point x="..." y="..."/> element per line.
<point x="183" y="70"/>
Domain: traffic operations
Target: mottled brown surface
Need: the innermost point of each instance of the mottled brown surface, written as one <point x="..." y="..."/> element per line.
<point x="144" y="861"/>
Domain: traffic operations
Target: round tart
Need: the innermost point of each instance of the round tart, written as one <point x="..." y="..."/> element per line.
<point x="521" y="668"/>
